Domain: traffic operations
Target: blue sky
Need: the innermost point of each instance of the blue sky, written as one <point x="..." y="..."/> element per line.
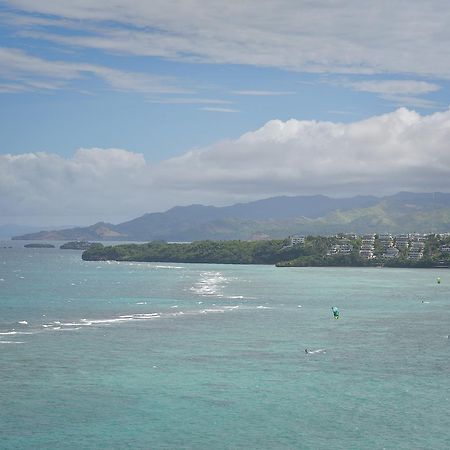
<point x="216" y="102"/>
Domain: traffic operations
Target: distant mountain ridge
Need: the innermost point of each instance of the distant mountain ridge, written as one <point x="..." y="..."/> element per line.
<point x="275" y="217"/>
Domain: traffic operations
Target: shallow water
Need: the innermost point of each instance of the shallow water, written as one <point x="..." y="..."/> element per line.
<point x="194" y="356"/>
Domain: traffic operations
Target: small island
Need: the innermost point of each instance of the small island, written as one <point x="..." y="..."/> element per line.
<point x="76" y="245"/>
<point x="432" y="250"/>
<point x="37" y="245"/>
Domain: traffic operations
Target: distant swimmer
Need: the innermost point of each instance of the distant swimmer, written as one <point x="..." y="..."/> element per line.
<point x="306" y="351"/>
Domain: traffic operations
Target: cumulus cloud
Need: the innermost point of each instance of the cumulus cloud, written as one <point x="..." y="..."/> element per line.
<point x="46" y="188"/>
<point x="402" y="150"/>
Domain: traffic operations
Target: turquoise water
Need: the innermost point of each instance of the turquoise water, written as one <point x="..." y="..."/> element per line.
<point x="193" y="356"/>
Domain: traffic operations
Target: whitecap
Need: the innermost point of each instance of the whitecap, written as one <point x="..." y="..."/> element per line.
<point x="263" y="307"/>
<point x="141" y="303"/>
<point x="12" y="342"/>
<point x="23" y="322"/>
<point x="146" y="316"/>
<point x="319" y="350"/>
<point x="10" y="333"/>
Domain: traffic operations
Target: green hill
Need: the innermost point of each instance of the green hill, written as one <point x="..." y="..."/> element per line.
<point x="275" y="218"/>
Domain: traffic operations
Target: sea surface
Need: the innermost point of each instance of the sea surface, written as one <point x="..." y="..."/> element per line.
<point x="106" y="355"/>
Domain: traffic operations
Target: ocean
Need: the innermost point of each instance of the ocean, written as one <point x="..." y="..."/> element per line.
<point x="106" y="355"/>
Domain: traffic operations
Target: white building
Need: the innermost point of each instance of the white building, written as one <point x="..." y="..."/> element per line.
<point x="297" y="239"/>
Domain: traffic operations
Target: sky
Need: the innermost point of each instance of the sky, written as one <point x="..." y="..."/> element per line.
<point x="110" y="109"/>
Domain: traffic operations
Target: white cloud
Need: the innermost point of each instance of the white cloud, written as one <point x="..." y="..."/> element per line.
<point x="27" y="72"/>
<point x="399" y="92"/>
<point x="221" y="110"/>
<point x="390" y="87"/>
<point x="191" y="101"/>
<point x="255" y="93"/>
<point x="402" y="150"/>
<point x="324" y="37"/>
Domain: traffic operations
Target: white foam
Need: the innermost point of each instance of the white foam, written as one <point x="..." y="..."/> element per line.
<point x="236" y="296"/>
<point x="263" y="307"/>
<point x="141" y="303"/>
<point x="319" y="350"/>
<point x="23" y="322"/>
<point x="146" y="316"/>
<point x="108" y="321"/>
<point x="232" y="307"/>
<point x="12" y="342"/>
<point x="10" y="333"/>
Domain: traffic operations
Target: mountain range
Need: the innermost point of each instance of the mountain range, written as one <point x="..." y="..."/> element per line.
<point x="275" y="217"/>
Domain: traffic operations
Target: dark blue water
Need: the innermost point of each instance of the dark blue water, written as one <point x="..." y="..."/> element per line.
<point x="191" y="356"/>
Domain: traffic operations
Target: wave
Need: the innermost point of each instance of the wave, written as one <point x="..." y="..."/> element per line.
<point x="319" y="350"/>
<point x="14" y="332"/>
<point x="74" y="325"/>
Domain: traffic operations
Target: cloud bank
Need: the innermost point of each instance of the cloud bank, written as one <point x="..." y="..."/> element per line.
<point x="402" y="150"/>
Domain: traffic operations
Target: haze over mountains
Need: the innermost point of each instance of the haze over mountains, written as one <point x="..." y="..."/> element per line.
<point x="275" y="217"/>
